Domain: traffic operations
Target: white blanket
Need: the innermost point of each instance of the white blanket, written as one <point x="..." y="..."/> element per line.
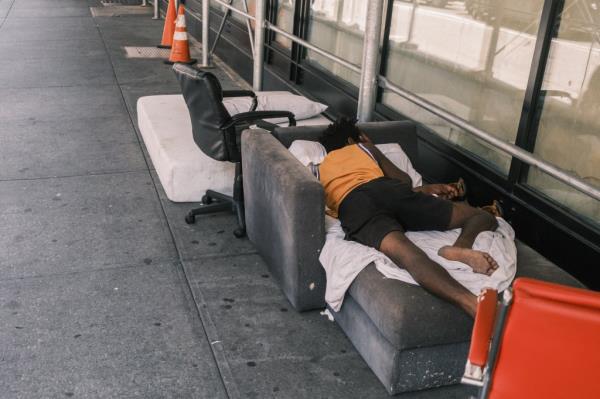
<point x="343" y="260"/>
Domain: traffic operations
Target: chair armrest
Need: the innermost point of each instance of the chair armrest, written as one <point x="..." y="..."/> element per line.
<point x="268" y="126"/>
<point x="256" y="115"/>
<point x="239" y="93"/>
<point x="285" y="217"/>
<point x="480" y="339"/>
<point x="242" y="93"/>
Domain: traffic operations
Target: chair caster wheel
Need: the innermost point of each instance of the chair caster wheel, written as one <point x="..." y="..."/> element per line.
<point x="239" y="233"/>
<point x="206" y="200"/>
<point x="190" y="218"/>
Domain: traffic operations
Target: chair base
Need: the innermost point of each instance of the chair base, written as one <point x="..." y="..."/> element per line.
<point x="214" y="201"/>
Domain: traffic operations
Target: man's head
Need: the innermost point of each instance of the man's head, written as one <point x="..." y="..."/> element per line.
<point x="341" y="133"/>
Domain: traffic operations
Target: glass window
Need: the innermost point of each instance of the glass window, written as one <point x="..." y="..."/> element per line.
<point x="569" y="126"/>
<point x="241" y="5"/>
<point x="285" y="20"/>
<point x="285" y="16"/>
<point x="471" y="58"/>
<point x="338" y="26"/>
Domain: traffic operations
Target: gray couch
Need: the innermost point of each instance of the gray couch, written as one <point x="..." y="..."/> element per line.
<point x="411" y="339"/>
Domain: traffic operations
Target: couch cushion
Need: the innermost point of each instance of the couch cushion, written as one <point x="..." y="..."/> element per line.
<point x="407" y="315"/>
<point x="410" y="317"/>
<point x="401" y="132"/>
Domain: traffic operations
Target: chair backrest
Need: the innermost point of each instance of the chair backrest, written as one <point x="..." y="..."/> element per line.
<point x="550" y="347"/>
<point x="204" y="98"/>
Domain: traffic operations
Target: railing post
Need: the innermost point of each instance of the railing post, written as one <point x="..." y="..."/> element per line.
<point x="156" y="10"/>
<point x="370" y="61"/>
<point x="249" y="27"/>
<point x="205" y="32"/>
<point x="259" y="45"/>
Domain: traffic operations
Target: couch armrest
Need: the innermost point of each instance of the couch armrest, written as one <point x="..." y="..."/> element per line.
<point x="284" y="217"/>
<point x="401" y="132"/>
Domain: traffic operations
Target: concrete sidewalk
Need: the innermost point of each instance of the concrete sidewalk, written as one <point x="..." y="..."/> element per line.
<point x="105" y="292"/>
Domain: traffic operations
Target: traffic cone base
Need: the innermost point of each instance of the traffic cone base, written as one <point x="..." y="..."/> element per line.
<point x="192" y="61"/>
<point x="161" y="46"/>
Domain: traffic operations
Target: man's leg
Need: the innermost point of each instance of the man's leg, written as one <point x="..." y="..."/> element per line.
<point x="426" y="272"/>
<point x="472" y="221"/>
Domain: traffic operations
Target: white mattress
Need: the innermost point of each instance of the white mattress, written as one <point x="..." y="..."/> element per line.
<point x="185" y="172"/>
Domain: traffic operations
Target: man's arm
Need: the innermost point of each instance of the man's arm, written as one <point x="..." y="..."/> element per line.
<point x="389" y="169"/>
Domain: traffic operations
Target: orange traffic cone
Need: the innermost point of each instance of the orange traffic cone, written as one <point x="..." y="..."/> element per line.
<point x="169" y="29"/>
<point x="180" y="52"/>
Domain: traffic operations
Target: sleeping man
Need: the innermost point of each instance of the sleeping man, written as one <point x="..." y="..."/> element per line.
<point x="376" y="204"/>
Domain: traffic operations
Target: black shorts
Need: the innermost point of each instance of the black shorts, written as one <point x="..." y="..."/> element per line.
<point x="383" y="205"/>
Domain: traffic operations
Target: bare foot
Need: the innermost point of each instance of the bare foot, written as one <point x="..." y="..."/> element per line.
<point x="480" y="262"/>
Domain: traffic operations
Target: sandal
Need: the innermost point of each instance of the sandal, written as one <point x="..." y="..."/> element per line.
<point x="461" y="188"/>
<point x="495" y="209"/>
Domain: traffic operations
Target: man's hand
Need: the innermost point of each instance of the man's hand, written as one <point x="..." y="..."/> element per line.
<point x="364" y="138"/>
<point x="445" y="191"/>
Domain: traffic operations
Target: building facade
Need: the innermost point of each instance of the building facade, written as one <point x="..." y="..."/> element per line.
<point x="525" y="72"/>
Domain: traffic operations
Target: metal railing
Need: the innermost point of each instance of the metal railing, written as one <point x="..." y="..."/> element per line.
<point x="324" y="53"/>
<point x="370" y="79"/>
<point x="232" y="9"/>
<point x="509" y="148"/>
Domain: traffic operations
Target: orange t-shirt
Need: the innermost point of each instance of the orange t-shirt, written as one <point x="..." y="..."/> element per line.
<point x="345" y="169"/>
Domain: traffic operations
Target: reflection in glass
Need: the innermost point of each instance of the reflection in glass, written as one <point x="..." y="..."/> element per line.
<point x="569" y="126"/>
<point x="239" y="4"/>
<point x="224" y="21"/>
<point x="471" y="58"/>
<point x="285" y="20"/>
<point x="338" y="26"/>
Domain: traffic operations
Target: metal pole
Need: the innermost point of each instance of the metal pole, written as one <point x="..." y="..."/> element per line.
<point x="259" y="44"/>
<point x="205" y="32"/>
<point x="249" y="27"/>
<point x="219" y="32"/>
<point x="156" y="10"/>
<point x="144" y="3"/>
<point x="370" y="61"/>
<point x="411" y="26"/>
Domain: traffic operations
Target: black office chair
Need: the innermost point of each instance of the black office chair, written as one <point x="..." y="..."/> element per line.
<point x="217" y="134"/>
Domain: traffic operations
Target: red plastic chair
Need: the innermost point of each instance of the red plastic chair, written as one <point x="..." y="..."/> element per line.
<point x="545" y="344"/>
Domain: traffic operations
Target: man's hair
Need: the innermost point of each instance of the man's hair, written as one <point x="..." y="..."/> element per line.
<point x="336" y="135"/>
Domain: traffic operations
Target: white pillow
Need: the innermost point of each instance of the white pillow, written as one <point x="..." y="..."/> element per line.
<point x="300" y="106"/>
<point x="398" y="157"/>
<point x="308" y="152"/>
